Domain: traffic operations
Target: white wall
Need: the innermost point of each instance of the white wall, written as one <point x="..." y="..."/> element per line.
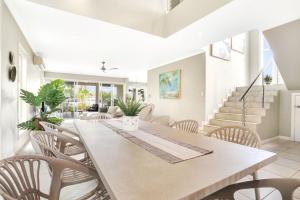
<point x="285" y="43"/>
<point x="206" y="83"/>
<point x="143" y="15"/>
<point x="190" y="105"/>
<point x="11" y="38"/>
<point x="190" y="11"/>
<point x="223" y="76"/>
<point x="84" y="78"/>
<point x="255" y="54"/>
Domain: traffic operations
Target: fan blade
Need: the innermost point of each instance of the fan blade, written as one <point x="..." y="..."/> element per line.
<point x="113" y="68"/>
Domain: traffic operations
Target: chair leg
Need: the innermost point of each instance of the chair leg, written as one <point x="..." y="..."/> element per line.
<point x="257" y="194"/>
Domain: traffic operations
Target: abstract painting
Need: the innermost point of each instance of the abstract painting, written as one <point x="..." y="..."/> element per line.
<point x="238" y="43"/>
<point x="221" y="49"/>
<point x="169" y="84"/>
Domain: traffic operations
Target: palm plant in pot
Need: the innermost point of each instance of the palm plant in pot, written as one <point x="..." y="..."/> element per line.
<point x="131" y="109"/>
<point x="46" y="102"/>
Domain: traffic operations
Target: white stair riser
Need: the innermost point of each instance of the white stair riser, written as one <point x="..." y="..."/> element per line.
<point x="267" y="99"/>
<point x="248" y="104"/>
<point x="238" y="117"/>
<point x="250" y="111"/>
<point x="216" y="122"/>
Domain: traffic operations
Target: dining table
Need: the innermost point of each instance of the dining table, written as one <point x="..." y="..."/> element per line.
<point x="158" y="162"/>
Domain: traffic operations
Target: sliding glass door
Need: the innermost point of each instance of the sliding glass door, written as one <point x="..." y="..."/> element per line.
<point x="86" y="95"/>
<point x="90" y="97"/>
<point x="69" y="106"/>
<point x="118" y="93"/>
<point x="106" y="93"/>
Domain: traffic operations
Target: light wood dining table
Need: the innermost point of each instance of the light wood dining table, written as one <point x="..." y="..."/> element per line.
<point x="129" y="172"/>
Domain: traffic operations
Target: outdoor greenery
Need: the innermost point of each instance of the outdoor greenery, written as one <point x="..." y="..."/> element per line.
<point x="46" y="102"/>
<point x="106" y="98"/>
<point x="268" y="79"/>
<point x="130" y="107"/>
<point x="82" y="96"/>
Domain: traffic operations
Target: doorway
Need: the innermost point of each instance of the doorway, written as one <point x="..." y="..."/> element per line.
<point x="296" y="107"/>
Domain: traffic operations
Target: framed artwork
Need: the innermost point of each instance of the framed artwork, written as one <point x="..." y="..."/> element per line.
<point x="221" y="49"/>
<point x="170" y="84"/>
<point x="238" y="43"/>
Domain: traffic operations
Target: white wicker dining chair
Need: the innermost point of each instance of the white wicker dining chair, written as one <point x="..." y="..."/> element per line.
<point x="49" y="147"/>
<point x="71" y="144"/>
<point x="191" y="126"/>
<point x="61" y="129"/>
<point x="238" y="135"/>
<point x="285" y="186"/>
<point x="20" y="178"/>
<point x="54" y="144"/>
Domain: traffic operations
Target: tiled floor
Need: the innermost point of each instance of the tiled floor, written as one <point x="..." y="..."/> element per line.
<point x="287" y="165"/>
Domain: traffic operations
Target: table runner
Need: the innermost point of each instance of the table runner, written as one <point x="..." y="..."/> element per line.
<point x="166" y="148"/>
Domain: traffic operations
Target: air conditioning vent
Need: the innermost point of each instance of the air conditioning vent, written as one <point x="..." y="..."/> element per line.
<point x="37" y="60"/>
<point x="174" y="3"/>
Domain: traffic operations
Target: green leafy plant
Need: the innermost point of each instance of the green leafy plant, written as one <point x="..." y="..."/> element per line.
<point x="130" y="107"/>
<point x="268" y="79"/>
<point x="50" y="95"/>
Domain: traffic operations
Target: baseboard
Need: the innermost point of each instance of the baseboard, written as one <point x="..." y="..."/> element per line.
<point x="275" y="138"/>
<point x="269" y="140"/>
<point x="285" y="137"/>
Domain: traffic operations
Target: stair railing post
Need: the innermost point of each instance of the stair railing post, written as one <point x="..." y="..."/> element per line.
<point x="263" y="90"/>
<point x="263" y="96"/>
<point x="244" y="113"/>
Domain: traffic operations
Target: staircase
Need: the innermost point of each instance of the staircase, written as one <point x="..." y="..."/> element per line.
<point x="230" y="114"/>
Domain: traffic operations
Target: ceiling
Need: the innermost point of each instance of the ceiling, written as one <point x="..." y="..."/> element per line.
<point x="72" y="43"/>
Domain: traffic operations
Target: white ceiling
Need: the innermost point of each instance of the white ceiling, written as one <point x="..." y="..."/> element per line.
<point x="71" y="43"/>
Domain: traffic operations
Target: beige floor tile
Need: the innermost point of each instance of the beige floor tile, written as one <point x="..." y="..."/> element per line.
<point x="293" y="150"/>
<point x="296" y="194"/>
<point x="264" y="174"/>
<point x="280" y="170"/>
<point x="239" y="196"/>
<point x="289" y="156"/>
<point x="275" y="195"/>
<point x="250" y="193"/>
<point x="288" y="163"/>
<point x="296" y="175"/>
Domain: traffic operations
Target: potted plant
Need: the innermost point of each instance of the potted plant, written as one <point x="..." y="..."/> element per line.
<point x="46" y="102"/>
<point x="131" y="109"/>
<point x="268" y="79"/>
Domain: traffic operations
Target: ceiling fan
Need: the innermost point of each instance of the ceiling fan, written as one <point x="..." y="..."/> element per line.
<point x="104" y="69"/>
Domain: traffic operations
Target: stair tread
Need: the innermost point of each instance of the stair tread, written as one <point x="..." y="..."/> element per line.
<point x="252" y="115"/>
<point x="227" y="120"/>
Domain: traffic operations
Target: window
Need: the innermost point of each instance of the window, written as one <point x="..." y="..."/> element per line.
<point x="23" y="108"/>
<point x="269" y="64"/>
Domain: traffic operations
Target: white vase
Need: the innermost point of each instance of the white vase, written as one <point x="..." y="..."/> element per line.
<point x="130" y="123"/>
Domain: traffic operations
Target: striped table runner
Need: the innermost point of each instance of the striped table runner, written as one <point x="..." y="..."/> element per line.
<point x="166" y="148"/>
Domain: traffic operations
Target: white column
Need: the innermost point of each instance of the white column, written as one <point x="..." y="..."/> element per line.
<point x="1" y="18"/>
<point x="255" y="54"/>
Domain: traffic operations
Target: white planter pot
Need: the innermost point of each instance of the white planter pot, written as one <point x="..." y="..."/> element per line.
<point x="130" y="123"/>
